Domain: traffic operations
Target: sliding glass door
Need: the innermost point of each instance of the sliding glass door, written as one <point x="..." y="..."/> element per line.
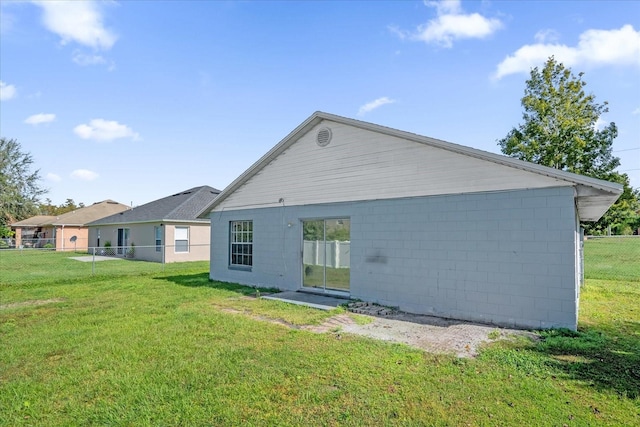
<point x="123" y="240"/>
<point x="326" y="249"/>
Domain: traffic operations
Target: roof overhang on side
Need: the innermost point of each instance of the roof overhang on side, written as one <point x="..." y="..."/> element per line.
<point x="33" y="222"/>
<point x="202" y="221"/>
<point x="593" y="203"/>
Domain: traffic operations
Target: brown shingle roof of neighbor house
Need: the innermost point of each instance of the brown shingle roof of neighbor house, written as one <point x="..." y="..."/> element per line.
<point x="83" y="216"/>
<point x="35" y="221"/>
<point x="79" y="217"/>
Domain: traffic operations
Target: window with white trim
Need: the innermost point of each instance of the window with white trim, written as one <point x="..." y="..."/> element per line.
<point x="181" y="239"/>
<point x="241" y="243"/>
<point x="158" y="237"/>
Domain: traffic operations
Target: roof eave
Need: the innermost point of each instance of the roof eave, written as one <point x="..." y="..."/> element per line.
<point x="314" y="119"/>
<point x="152" y="221"/>
<point x="613" y="189"/>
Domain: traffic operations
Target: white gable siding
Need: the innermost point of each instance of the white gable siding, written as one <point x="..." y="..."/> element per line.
<point x="363" y="165"/>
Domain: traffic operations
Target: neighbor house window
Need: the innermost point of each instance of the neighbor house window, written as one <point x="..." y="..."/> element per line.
<point x="182" y="239"/>
<point x="158" y="233"/>
<point x="241" y="241"/>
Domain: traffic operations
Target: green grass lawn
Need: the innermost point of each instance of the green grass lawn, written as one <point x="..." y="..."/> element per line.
<point x="41" y="267"/>
<point x="613" y="258"/>
<point x="147" y="347"/>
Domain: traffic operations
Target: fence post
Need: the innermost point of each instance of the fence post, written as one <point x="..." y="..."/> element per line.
<point x="93" y="262"/>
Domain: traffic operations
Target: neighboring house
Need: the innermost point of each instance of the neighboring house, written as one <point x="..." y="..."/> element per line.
<point x="36" y="231"/>
<point x="351" y="208"/>
<point x="64" y="232"/>
<point x="165" y="230"/>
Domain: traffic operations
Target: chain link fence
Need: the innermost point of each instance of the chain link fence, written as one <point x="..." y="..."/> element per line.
<point x="48" y="265"/>
<point x="612" y="258"/>
<point x="605" y="258"/>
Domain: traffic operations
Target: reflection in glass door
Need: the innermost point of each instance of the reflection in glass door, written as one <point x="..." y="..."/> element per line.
<point x="326" y="254"/>
<point x="123" y="240"/>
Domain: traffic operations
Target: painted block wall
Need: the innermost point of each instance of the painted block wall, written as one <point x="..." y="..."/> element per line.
<point x="506" y="257"/>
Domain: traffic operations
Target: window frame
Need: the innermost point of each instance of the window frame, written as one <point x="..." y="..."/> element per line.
<point x="241" y="245"/>
<point x="176" y="240"/>
<point x="157" y="233"/>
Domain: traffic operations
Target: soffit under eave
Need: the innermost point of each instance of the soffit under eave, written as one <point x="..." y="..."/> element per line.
<point x="593" y="203"/>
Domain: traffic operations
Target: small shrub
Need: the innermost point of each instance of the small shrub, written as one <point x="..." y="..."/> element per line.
<point x="131" y="252"/>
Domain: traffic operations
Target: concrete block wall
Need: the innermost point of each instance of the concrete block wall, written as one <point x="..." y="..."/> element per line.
<point x="506" y="257"/>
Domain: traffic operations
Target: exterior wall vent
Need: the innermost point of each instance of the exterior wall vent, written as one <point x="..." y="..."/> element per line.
<point x="323" y="138"/>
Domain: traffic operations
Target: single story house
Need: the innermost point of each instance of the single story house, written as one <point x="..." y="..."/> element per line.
<point x="165" y="230"/>
<point x="36" y="231"/>
<point x="345" y="207"/>
<point x="63" y="232"/>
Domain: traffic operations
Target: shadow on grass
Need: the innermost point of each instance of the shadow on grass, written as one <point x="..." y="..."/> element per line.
<point x="600" y="360"/>
<point x="202" y="280"/>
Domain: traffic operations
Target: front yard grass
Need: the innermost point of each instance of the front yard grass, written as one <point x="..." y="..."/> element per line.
<point x="173" y="348"/>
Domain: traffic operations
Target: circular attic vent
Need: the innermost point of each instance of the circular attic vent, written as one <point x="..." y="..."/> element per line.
<point x="323" y="138"/>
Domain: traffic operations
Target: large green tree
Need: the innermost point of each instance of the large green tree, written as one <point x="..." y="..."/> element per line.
<point x="560" y="129"/>
<point x="624" y="216"/>
<point x="47" y="208"/>
<point x="19" y="185"/>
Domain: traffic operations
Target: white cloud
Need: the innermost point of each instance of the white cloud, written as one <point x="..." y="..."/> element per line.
<point x="547" y="35"/>
<point x="53" y="177"/>
<point x="595" y="47"/>
<point x="37" y="119"/>
<point x="77" y="21"/>
<point x="636" y="111"/>
<point x="370" y="106"/>
<point x="104" y="130"/>
<point x="445" y="6"/>
<point x="451" y="24"/>
<point x="7" y="91"/>
<point x="84" y="175"/>
<point x="85" y="60"/>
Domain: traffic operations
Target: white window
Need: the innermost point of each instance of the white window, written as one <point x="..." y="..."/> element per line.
<point x="181" y="238"/>
<point x="241" y="243"/>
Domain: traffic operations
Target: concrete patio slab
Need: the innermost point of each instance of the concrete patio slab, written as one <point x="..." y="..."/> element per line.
<point x="322" y="302"/>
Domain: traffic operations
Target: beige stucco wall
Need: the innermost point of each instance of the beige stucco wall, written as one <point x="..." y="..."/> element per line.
<point x="199" y="238"/>
<point x="142" y="236"/>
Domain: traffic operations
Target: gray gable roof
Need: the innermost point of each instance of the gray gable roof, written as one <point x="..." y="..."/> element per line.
<point x="183" y="206"/>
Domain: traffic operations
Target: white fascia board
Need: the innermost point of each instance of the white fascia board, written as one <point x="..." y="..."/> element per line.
<point x="168" y="221"/>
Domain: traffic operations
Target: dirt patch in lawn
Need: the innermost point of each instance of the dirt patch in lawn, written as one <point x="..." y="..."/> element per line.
<point x="30" y="303"/>
<point x="433" y="334"/>
<point x="429" y="333"/>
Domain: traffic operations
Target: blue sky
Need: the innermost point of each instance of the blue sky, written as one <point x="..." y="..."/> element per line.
<point x="136" y="100"/>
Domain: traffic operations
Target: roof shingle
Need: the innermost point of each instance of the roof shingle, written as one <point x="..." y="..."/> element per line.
<point x="183" y="206"/>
